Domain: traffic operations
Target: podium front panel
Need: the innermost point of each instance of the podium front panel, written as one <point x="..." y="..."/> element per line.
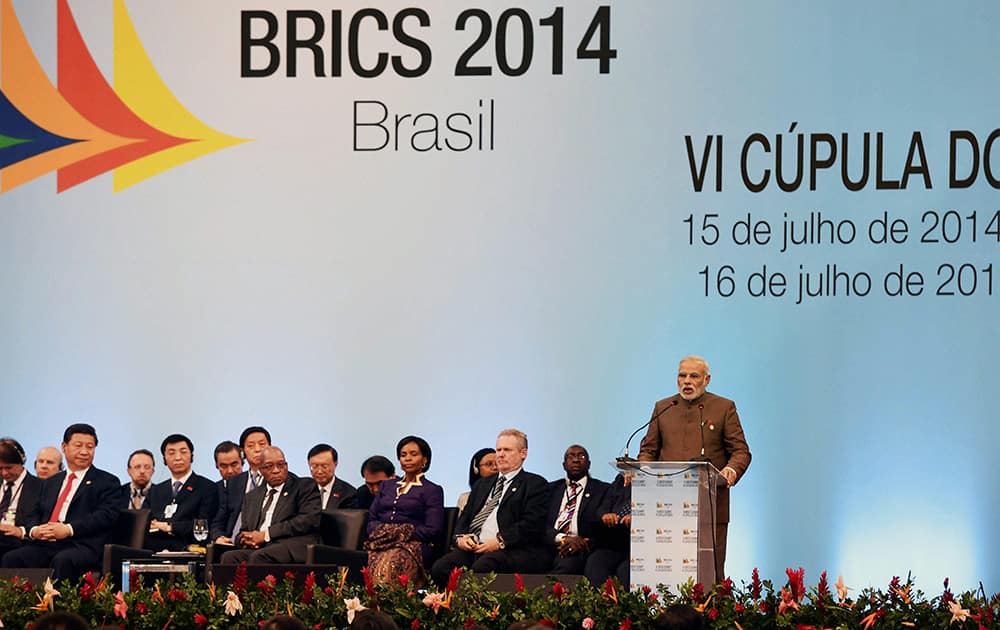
<point x="672" y="531"/>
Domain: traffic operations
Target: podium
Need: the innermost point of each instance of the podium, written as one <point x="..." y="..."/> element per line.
<point x="673" y="522"/>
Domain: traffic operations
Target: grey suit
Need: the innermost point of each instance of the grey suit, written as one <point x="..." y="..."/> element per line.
<point x="294" y="523"/>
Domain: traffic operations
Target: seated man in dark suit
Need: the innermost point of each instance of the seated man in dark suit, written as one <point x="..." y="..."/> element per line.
<point x="609" y="556"/>
<point x="334" y="493"/>
<point x="502" y="528"/>
<point x="180" y="500"/>
<point x="227" y="522"/>
<point x="574" y="515"/>
<point x="135" y="493"/>
<point x="228" y="461"/>
<point x="374" y="471"/>
<point x="76" y="511"/>
<point x="280" y="518"/>
<point x="18" y="494"/>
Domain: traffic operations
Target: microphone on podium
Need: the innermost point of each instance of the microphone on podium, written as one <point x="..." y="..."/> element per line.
<point x="626" y="458"/>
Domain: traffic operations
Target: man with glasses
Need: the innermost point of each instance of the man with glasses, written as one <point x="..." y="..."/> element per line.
<point x="574" y="517"/>
<point x="334" y="493"/>
<point x="280" y="518"/>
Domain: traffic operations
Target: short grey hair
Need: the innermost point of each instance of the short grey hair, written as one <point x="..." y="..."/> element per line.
<point x="693" y="358"/>
<point x="522" y="439"/>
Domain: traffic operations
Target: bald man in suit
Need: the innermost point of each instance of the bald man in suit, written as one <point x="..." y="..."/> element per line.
<point x="280" y="518"/>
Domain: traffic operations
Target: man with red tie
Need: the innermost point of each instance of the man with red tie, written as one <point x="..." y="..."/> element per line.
<point x="75" y="512"/>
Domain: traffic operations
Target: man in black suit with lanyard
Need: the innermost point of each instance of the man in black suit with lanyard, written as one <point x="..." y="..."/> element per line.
<point x="74" y="515"/>
<point x="503" y="525"/>
<point x="178" y="501"/>
<point x="18" y="494"/>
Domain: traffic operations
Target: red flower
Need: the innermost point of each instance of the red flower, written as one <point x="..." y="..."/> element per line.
<point x="626" y="624"/>
<point x="725" y="588"/>
<point x="548" y="623"/>
<point x="946" y="596"/>
<point x="404" y="580"/>
<point x="518" y="583"/>
<point x="469" y="623"/>
<point x="200" y="620"/>
<point x="415" y="624"/>
<point x="558" y="590"/>
<point x="456" y="573"/>
<point x="265" y="587"/>
<point x="328" y="590"/>
<point x="609" y="587"/>
<point x="176" y="595"/>
<point x="289" y="575"/>
<point x="698" y="592"/>
<point x="713" y="614"/>
<point x="88" y="578"/>
<point x="141" y="608"/>
<point x="739" y="608"/>
<point x="369" y="583"/>
<point x="317" y="626"/>
<point x="755" y="585"/>
<point x="796" y="583"/>
<point x="133" y="580"/>
<point x="240" y="579"/>
<point x="308" y="589"/>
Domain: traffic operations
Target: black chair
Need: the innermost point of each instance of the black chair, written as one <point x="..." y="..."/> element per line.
<point x="443" y="544"/>
<point x="127" y="538"/>
<point x="343" y="532"/>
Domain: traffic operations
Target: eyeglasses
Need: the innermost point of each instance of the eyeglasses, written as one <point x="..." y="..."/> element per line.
<point x="320" y="466"/>
<point x="278" y="465"/>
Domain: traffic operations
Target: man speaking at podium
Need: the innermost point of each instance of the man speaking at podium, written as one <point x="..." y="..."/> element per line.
<point x="698" y="425"/>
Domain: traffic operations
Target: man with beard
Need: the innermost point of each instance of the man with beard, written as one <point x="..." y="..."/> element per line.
<point x="699" y="425"/>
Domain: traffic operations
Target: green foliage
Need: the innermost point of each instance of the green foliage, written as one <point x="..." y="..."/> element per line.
<point x="754" y="605"/>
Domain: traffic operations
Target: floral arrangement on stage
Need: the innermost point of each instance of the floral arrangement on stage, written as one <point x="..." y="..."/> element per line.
<point x="467" y="602"/>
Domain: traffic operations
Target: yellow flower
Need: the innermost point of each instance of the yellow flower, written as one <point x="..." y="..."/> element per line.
<point x="903" y="593"/>
<point x="704" y="604"/>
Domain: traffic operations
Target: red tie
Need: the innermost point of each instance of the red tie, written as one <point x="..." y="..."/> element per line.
<point x="62" y="498"/>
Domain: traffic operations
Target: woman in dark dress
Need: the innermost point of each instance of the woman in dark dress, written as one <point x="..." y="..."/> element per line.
<point x="405" y="518"/>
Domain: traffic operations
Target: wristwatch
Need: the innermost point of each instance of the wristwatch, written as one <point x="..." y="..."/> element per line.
<point x="500" y="540"/>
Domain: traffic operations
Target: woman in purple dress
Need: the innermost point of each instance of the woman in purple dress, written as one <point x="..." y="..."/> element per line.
<point x="405" y="518"/>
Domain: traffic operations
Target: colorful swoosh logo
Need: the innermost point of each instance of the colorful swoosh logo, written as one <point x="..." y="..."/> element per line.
<point x="83" y="127"/>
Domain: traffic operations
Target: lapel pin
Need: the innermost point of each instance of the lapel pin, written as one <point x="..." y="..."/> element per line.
<point x="88" y="483"/>
<point x="285" y="493"/>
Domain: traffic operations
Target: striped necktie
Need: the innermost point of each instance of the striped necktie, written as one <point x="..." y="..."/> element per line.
<point x="477" y="523"/>
<point x="566" y="517"/>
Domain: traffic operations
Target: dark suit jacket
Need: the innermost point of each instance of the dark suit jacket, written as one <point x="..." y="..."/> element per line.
<point x="26" y="502"/>
<point x="125" y="502"/>
<point x="587" y="508"/>
<point x="198" y="498"/>
<point x="342" y="496"/>
<point x="230" y="504"/>
<point x="296" y="514"/>
<point x="31" y="488"/>
<point x="522" y="510"/>
<point x="92" y="512"/>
